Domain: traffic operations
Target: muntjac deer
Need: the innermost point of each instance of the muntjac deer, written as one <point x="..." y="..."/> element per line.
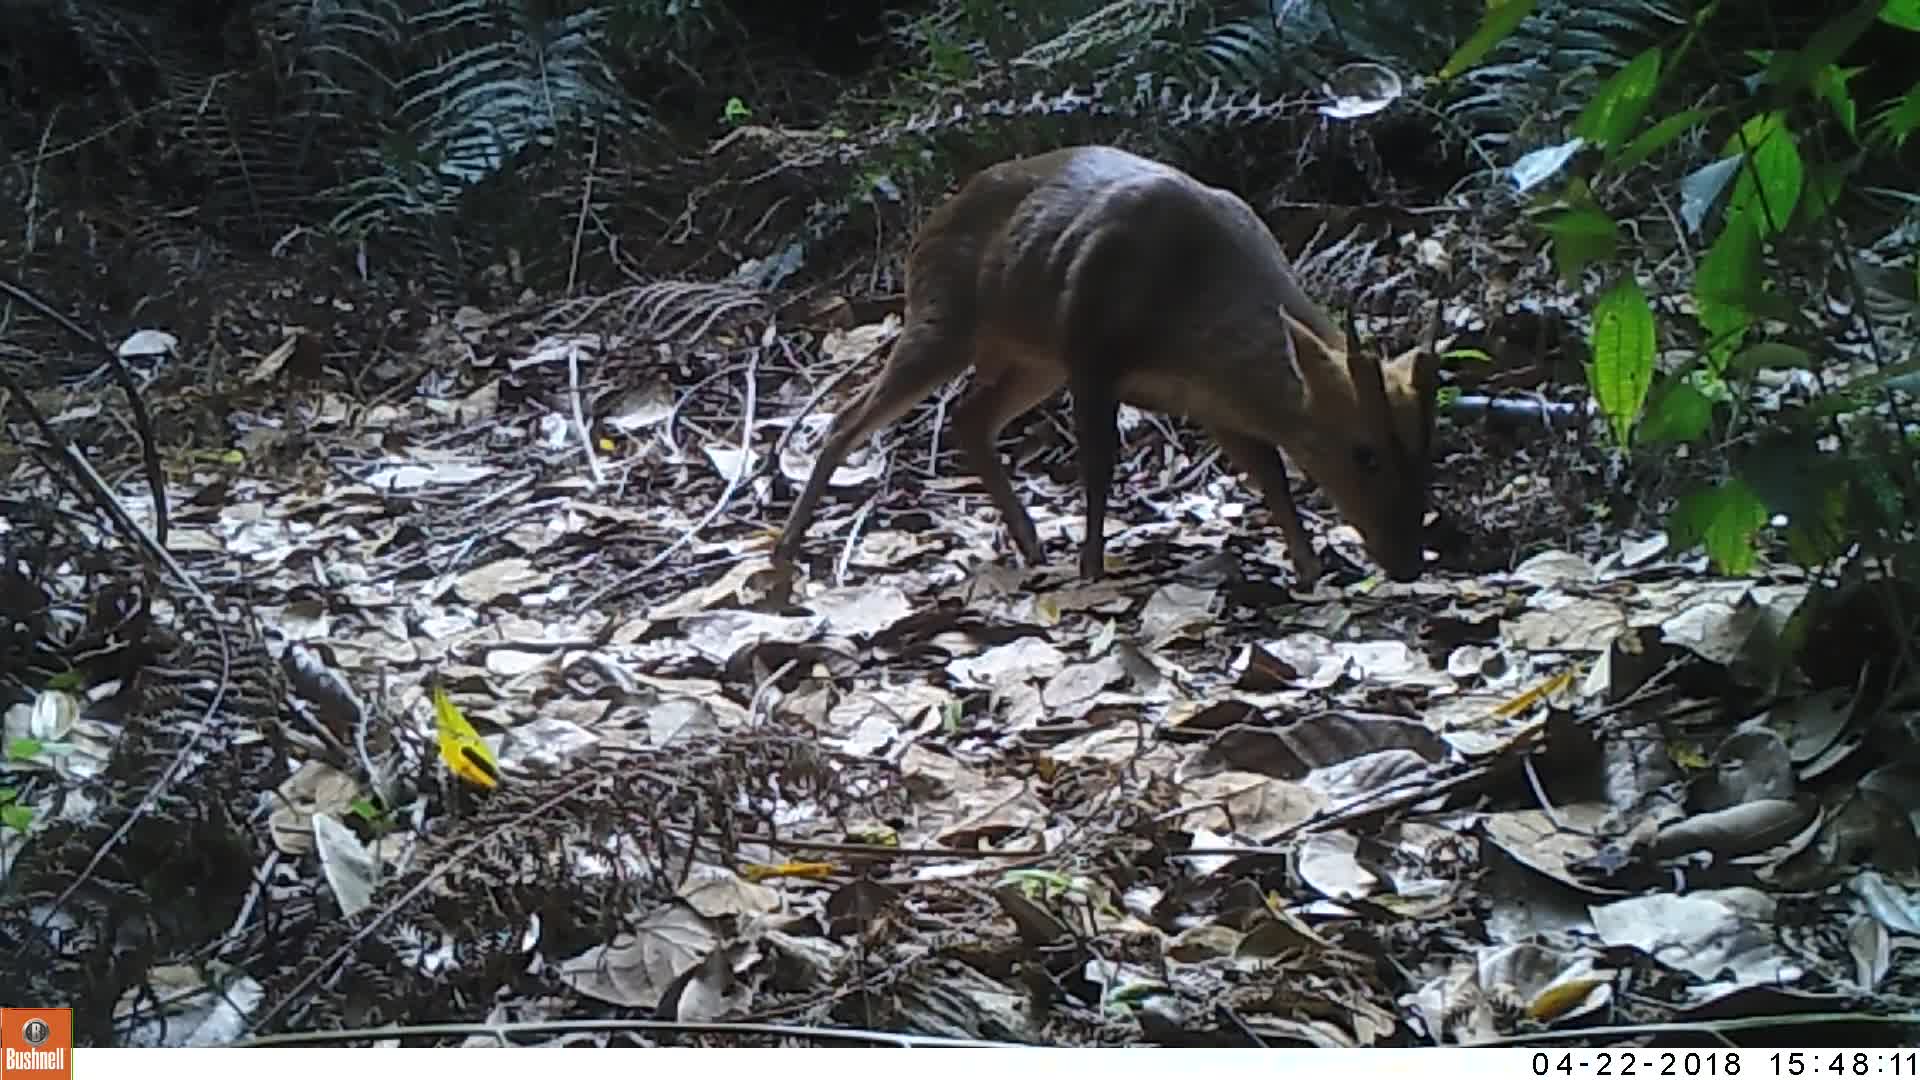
<point x="1126" y="280"/>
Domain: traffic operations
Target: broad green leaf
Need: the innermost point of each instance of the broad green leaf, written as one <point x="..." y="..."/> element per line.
<point x="1819" y="535"/>
<point x="1793" y="69"/>
<point x="1679" y="414"/>
<point x="1826" y="182"/>
<point x="1793" y="478"/>
<point x="1768" y="186"/>
<point x="1581" y="236"/>
<point x="1727" y="276"/>
<point x="1725" y="518"/>
<point x="1501" y="17"/>
<point x="1904" y="14"/>
<point x="1623" y="344"/>
<point x="17" y="818"/>
<point x="1877" y="489"/>
<point x="24" y="749"/>
<point x="1898" y="120"/>
<point x="1830" y="86"/>
<point x="1622" y="100"/>
<point x="1771" y="355"/>
<point x="1657" y="137"/>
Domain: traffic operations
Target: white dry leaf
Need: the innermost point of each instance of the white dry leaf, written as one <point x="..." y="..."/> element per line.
<point x="1023" y="661"/>
<point x="635" y="969"/>
<point x="1568" y="625"/>
<point x="1811" y="723"/>
<point x="1104" y="597"/>
<point x="1716" y="935"/>
<point x="732" y="463"/>
<point x="1695" y="608"/>
<point x="515" y="663"/>
<point x="1329" y="863"/>
<point x="891" y="549"/>
<point x="546" y="745"/>
<point x="270" y="364"/>
<point x="1546" y="843"/>
<point x="639" y="407"/>
<point x="1556" y="570"/>
<point x="844" y="347"/>
<point x="719" y="636"/>
<point x="1896" y="906"/>
<point x="1121" y="744"/>
<point x="1872" y="949"/>
<point x="1391" y="663"/>
<point x="933" y="777"/>
<point x="1316" y="664"/>
<point x="1075" y="688"/>
<point x="479" y="404"/>
<point x="51" y="717"/>
<point x="503" y="577"/>
<point x="262" y="543"/>
<point x="864" y="464"/>
<point x="145" y="344"/>
<point x="1635" y="552"/>
<point x="350" y="869"/>
<point x="414" y="475"/>
<point x="681" y="721"/>
<point x="714" y="990"/>
<point x="177" y="1005"/>
<point x="560" y="349"/>
<point x="862" y="611"/>
<point x="1365" y="773"/>
<point x="1001" y="812"/>
<point x="729" y="589"/>
<point x="1175" y="609"/>
<point x="1478" y="663"/>
<point x="717" y="892"/>
<point x="863" y="721"/>
<point x="1360" y="88"/>
<point x="1454" y="1007"/>
<point x="1253" y="804"/>
<point x="300" y="620"/>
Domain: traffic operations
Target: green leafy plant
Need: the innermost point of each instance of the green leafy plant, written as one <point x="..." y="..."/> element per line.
<point x="13" y="815"/>
<point x="1773" y="180"/>
<point x="378" y="818"/>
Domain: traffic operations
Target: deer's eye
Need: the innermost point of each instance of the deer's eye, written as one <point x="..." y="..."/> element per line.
<point x="1365" y="459"/>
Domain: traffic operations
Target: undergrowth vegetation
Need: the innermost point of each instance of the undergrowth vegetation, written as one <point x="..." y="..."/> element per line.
<point x="438" y="143"/>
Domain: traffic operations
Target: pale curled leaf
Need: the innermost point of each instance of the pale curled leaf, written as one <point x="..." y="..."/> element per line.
<point x="350" y="869"/>
<point x="1736" y="830"/>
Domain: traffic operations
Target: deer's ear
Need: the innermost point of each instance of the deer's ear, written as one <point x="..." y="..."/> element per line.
<point x="1415" y="374"/>
<point x="1309" y="353"/>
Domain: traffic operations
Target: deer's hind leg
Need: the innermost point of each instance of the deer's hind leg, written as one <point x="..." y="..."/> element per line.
<point x="1008" y="382"/>
<point x="924" y="358"/>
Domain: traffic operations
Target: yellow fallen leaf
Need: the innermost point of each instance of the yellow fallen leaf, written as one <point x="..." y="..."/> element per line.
<point x="1555" y="1000"/>
<point x="761" y="871"/>
<point x="1688" y="755"/>
<point x="1526" y="699"/>
<point x="460" y="745"/>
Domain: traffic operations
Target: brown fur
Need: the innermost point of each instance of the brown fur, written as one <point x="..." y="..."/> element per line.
<point x="1130" y="281"/>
